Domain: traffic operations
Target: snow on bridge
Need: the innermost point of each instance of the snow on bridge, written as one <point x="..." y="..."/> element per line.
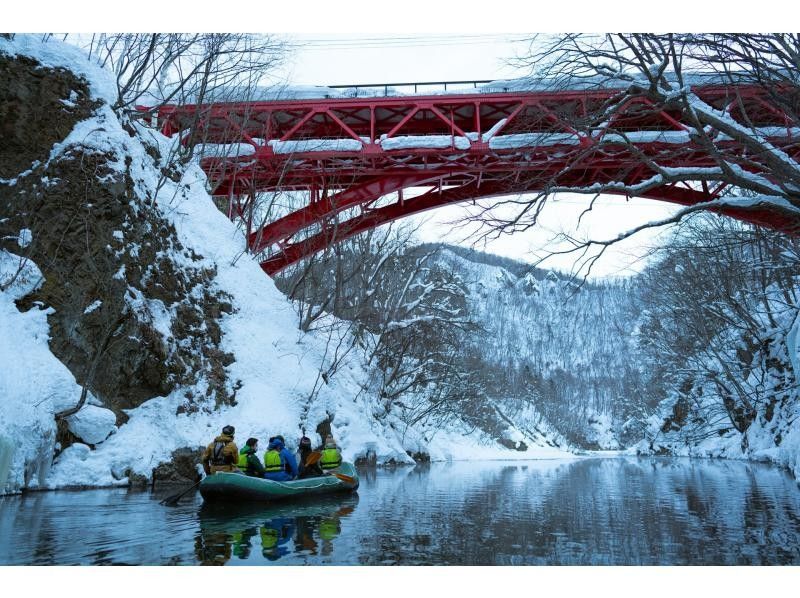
<point x="350" y="146"/>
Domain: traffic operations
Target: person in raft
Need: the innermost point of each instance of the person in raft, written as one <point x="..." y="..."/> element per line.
<point x="280" y="464"/>
<point x="249" y="461"/>
<point x="331" y="457"/>
<point x="307" y="470"/>
<point x="222" y="454"/>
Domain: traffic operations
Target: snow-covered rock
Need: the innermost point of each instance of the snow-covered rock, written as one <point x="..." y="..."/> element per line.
<point x="92" y="424"/>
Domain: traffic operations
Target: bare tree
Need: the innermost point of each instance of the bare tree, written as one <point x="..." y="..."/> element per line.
<point x="164" y="68"/>
<point x="719" y="303"/>
<point x="749" y="164"/>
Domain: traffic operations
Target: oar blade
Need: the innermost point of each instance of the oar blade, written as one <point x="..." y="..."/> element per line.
<point x="172" y="501"/>
<point x="313" y="458"/>
<point x="344" y="478"/>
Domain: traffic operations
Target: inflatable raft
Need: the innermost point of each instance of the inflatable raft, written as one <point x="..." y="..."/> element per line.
<point x="237" y="486"/>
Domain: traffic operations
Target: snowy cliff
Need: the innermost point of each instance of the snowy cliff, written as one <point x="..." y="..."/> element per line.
<point x="570" y="347"/>
<point x="169" y="327"/>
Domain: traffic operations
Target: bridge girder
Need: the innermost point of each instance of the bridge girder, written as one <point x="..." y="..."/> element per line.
<point x="355" y="151"/>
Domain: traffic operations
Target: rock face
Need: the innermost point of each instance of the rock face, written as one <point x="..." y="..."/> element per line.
<point x="181" y="469"/>
<point x="38" y="108"/>
<point x="132" y="317"/>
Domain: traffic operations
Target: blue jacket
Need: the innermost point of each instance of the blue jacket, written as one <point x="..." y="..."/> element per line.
<point x="287" y="458"/>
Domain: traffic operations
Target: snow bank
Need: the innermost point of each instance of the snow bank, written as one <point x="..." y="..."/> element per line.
<point x="460" y="445"/>
<point x="676" y="137"/>
<point x="533" y="140"/>
<point x="773" y="435"/>
<point x="424" y="142"/>
<point x="227" y="150"/>
<point x="316" y="145"/>
<point x="34" y="384"/>
<point x="729" y="446"/>
<point x="600" y="430"/>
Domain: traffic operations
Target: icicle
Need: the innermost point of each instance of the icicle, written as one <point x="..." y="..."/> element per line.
<point x="793" y="345"/>
<point x="6" y="455"/>
<point x="45" y="458"/>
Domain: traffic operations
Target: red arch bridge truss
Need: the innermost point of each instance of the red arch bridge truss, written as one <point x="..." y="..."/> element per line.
<point x="349" y="153"/>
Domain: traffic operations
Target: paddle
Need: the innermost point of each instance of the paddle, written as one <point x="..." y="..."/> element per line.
<point x="313" y="458"/>
<point x="344" y="478"/>
<point x="172" y="501"/>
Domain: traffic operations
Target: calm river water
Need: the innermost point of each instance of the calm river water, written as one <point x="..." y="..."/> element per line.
<point x="609" y="511"/>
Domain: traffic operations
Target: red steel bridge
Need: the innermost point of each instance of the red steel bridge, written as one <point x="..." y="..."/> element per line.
<point x="349" y="153"/>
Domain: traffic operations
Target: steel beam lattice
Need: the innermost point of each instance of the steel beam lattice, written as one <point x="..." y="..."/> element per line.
<point x="349" y="153"/>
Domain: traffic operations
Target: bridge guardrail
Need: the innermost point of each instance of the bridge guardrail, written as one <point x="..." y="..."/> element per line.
<point x="422" y="87"/>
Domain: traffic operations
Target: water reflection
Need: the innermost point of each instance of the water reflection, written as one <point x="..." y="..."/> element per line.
<point x="582" y="511"/>
<point x="305" y="529"/>
<point x="589" y="512"/>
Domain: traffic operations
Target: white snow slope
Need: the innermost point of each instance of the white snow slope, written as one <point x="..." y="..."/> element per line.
<point x="538" y="324"/>
<point x="277" y="364"/>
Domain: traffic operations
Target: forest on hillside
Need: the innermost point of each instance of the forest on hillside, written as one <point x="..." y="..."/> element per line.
<point x="694" y="347"/>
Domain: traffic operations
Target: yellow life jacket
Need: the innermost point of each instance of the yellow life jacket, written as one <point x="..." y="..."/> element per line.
<point x="269" y="537"/>
<point x="330" y="459"/>
<point x="329" y="529"/>
<point x="242" y="463"/>
<point x="272" y="461"/>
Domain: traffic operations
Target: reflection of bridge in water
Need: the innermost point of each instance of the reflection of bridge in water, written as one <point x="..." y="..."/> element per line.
<point x="348" y="153"/>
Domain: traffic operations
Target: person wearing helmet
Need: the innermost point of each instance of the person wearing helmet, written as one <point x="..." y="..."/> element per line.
<point x="279" y="463"/>
<point x="249" y="461"/>
<point x="308" y="468"/>
<point x="222" y="454"/>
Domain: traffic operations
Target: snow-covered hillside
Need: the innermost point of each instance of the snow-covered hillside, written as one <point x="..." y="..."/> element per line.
<point x="722" y="356"/>
<point x="273" y="369"/>
<point x="572" y="345"/>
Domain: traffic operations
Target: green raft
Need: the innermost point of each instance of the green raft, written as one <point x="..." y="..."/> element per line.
<point x="239" y="487"/>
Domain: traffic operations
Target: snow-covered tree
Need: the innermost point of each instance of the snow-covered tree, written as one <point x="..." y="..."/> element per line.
<point x="720" y="302"/>
<point x="745" y="158"/>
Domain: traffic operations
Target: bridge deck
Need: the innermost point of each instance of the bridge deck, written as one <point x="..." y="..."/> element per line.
<point x="349" y="152"/>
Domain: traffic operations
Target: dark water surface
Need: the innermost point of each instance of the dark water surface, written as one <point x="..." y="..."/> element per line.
<point x="620" y="511"/>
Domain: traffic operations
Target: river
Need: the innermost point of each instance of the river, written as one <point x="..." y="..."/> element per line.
<point x="587" y="511"/>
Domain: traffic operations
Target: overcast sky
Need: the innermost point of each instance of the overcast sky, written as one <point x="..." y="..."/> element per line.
<point x="327" y="59"/>
<point x="341" y="59"/>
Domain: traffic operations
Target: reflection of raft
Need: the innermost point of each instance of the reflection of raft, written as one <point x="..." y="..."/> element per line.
<point x="236" y="486"/>
<point x="217" y="516"/>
